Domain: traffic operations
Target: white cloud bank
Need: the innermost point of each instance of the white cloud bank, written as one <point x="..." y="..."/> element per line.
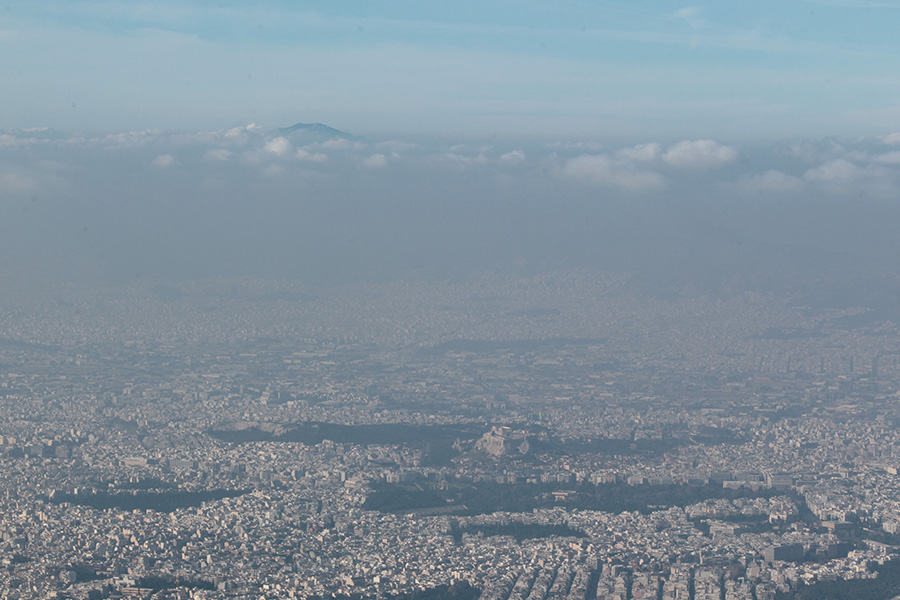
<point x="606" y="171"/>
<point x="279" y="146"/>
<point x="639" y="168"/>
<point x="700" y="154"/>
<point x="163" y="161"/>
<point x="642" y="152"/>
<point x="867" y="166"/>
<point x="771" y="181"/>
<point x="837" y="169"/>
<point x="888" y="158"/>
<point x="219" y="154"/>
<point x="376" y="161"/>
<point x="303" y="154"/>
<point x="514" y="157"/>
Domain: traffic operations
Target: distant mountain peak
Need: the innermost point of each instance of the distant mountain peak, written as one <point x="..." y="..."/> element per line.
<point x="316" y="131"/>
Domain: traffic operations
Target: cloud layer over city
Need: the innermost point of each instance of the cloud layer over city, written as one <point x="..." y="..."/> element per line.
<point x="327" y="204"/>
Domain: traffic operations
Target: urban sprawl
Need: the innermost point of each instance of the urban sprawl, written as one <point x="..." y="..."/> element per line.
<point x="562" y="436"/>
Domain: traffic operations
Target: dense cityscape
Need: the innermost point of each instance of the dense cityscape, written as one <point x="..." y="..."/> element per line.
<point x="539" y="437"/>
<point x="470" y="300"/>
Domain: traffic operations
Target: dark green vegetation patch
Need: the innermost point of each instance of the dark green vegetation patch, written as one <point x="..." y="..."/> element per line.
<point x="314" y="432"/>
<point x="488" y="497"/>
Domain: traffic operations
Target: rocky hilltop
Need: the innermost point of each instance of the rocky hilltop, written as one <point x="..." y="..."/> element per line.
<point x="502" y="441"/>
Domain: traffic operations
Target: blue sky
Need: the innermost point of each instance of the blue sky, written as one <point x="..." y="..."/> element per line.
<point x="731" y="71"/>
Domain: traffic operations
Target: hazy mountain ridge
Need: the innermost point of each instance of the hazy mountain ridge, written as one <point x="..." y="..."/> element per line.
<point x="314" y="132"/>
